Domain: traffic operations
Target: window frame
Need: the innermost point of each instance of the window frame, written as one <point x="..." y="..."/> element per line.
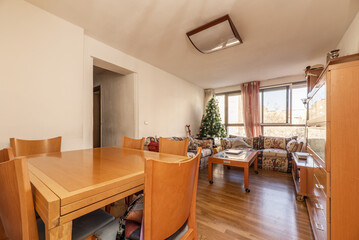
<point x="289" y="104"/>
<point x="226" y="95"/>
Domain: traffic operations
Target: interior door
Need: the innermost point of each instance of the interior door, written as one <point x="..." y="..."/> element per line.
<point x="97" y="117"/>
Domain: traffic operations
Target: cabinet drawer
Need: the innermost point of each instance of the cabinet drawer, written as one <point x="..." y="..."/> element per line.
<point x="317" y="219"/>
<point x="320" y="181"/>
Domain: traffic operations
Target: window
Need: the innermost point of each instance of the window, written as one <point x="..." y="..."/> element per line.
<point x="230" y="109"/>
<point x="282" y="111"/>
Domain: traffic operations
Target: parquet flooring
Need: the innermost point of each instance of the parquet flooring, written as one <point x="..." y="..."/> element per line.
<point x="269" y="211"/>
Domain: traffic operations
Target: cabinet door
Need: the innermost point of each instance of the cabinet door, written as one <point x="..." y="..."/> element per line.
<point x="317" y="105"/>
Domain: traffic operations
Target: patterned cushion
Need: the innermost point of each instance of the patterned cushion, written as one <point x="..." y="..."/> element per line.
<point x="273" y="142"/>
<point x="271" y="152"/>
<point x="192" y="145"/>
<point x="226" y="143"/>
<point x="153" y="146"/>
<point x="238" y="143"/>
<point x="275" y="164"/>
<point x="206" y="152"/>
<point x="292" y="146"/>
<point x="204" y="143"/>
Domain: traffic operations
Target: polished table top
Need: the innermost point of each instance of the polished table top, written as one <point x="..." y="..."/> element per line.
<point x="77" y="174"/>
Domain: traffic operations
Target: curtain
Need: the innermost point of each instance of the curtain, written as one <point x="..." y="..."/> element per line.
<point x="208" y="94"/>
<point x="251" y="108"/>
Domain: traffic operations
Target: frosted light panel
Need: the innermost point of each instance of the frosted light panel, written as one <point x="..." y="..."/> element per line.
<point x="214" y="36"/>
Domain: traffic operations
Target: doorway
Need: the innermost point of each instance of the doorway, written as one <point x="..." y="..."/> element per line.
<point x="97" y="117"/>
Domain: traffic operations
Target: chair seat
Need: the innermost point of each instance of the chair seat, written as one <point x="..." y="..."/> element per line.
<point x="83" y="226"/>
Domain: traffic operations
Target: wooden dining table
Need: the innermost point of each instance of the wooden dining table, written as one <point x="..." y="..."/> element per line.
<point x="67" y="185"/>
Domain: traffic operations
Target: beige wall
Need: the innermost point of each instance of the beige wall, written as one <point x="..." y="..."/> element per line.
<point x="165" y="102"/>
<point x="117" y="107"/>
<point x="41" y="72"/>
<point x="349" y="44"/>
<point x="47" y="82"/>
<point x="266" y="83"/>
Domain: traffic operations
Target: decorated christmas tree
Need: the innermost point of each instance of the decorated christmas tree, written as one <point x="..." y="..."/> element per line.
<point x="211" y="125"/>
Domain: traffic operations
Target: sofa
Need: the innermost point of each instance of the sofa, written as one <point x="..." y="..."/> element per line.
<point x="274" y="153"/>
<point x="206" y="145"/>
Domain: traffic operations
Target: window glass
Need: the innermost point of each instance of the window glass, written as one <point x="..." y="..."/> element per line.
<point x="221" y="105"/>
<point x="284" y="131"/>
<point x="275" y="105"/>
<point x="298" y="109"/>
<point x="238" y="131"/>
<point x="235" y="114"/>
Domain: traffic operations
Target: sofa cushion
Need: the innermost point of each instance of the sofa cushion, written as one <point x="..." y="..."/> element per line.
<point x="272" y="142"/>
<point x="206" y="152"/>
<point x="238" y="143"/>
<point x="272" y="152"/>
<point x="250" y="141"/>
<point x="292" y="146"/>
<point x="192" y="144"/>
<point x="226" y="143"/>
<point x="204" y="143"/>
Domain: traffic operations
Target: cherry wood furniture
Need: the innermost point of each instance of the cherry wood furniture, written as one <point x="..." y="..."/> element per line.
<point x="16" y="203"/>
<point x="170" y="198"/>
<point x="6" y="154"/>
<point x="311" y="75"/>
<point x="133" y="143"/>
<point x="332" y="139"/>
<point x="301" y="171"/>
<point x="23" y="147"/>
<point x="70" y="184"/>
<point x="173" y="147"/>
<point x="247" y="159"/>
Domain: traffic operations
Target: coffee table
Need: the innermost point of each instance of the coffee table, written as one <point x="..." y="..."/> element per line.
<point x="245" y="159"/>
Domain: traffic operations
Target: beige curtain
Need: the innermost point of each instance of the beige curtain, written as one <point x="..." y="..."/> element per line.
<point x="251" y="109"/>
<point x="208" y="94"/>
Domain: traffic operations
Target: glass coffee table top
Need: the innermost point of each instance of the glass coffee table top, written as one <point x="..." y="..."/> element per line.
<point x="242" y="156"/>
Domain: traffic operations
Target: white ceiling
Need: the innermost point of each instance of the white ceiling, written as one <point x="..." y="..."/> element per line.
<point x="281" y="37"/>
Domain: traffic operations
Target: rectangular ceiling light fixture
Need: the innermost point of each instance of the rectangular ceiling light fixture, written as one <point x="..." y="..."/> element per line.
<point x="216" y="35"/>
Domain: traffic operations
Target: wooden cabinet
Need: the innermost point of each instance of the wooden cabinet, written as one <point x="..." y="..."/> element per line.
<point x="333" y="141"/>
<point x="311" y="75"/>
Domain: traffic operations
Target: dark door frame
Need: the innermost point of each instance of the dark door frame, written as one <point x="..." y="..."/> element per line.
<point x="98" y="89"/>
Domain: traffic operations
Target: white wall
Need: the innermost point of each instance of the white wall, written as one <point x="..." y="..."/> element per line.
<point x="349" y="44"/>
<point x="47" y="82"/>
<point x="41" y="72"/>
<point x="117" y="107"/>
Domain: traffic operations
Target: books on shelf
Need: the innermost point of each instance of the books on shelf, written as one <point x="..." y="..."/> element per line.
<point x="302" y="155"/>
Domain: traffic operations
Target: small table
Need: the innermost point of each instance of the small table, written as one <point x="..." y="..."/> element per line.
<point x="301" y="172"/>
<point x="244" y="160"/>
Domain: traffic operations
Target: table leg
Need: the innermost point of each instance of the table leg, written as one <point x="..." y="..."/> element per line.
<point x="63" y="231"/>
<point x="256" y="165"/>
<point x="246" y="179"/>
<point x="210" y="172"/>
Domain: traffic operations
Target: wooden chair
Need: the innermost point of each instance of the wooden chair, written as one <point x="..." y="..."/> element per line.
<point x="5" y="155"/>
<point x="173" y="147"/>
<point x="133" y="143"/>
<point x="170" y="198"/>
<point x="30" y="147"/>
<point x="17" y="207"/>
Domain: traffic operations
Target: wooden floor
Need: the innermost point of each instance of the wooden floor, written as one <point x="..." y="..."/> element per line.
<point x="269" y="211"/>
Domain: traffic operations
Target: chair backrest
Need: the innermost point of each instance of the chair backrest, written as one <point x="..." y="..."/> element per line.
<point x="16" y="203"/>
<point x="30" y="147"/>
<point x="133" y="143"/>
<point x="6" y="154"/>
<point x="170" y="197"/>
<point x="173" y="147"/>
